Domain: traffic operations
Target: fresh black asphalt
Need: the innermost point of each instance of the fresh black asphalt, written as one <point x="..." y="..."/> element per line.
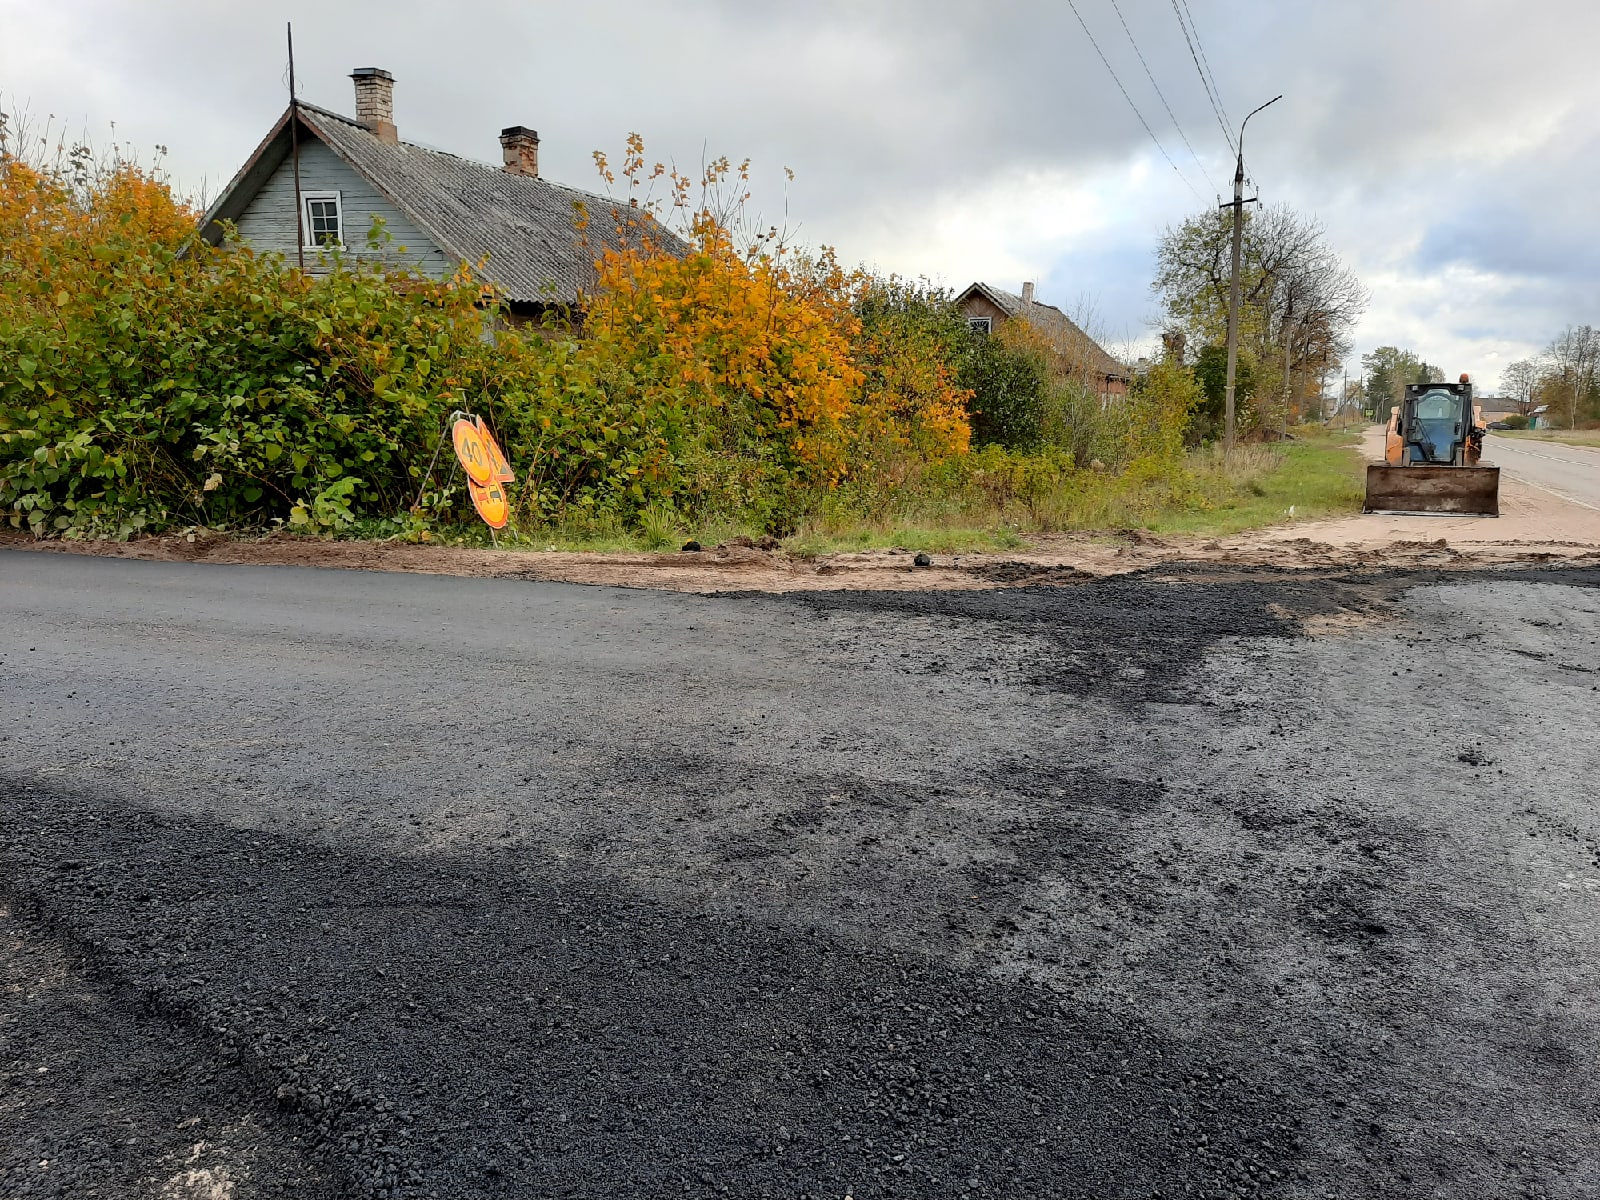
<point x="323" y="883"/>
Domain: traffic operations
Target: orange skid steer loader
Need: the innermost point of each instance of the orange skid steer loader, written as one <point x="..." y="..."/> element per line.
<point x="1432" y="456"/>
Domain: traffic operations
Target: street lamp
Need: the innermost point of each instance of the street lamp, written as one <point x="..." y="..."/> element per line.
<point x="1233" y="288"/>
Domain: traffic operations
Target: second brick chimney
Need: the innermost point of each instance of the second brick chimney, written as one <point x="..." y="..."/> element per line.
<point x="375" y="102"/>
<point x="519" y="147"/>
<point x="1027" y="293"/>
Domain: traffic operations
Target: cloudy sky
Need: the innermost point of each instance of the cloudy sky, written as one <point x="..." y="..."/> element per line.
<point x="1451" y="147"/>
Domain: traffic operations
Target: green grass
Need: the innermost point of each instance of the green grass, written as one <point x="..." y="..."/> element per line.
<point x="1317" y="476"/>
<point x="1572" y="437"/>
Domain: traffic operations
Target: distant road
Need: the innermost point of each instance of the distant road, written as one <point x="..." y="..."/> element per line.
<point x="1571" y="472"/>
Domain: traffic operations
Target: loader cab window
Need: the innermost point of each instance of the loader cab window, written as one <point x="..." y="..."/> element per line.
<point x="1435" y="426"/>
<point x="1438" y="406"/>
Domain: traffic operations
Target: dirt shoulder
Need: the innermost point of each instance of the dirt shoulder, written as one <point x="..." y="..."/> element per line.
<point x="1535" y="526"/>
<point x="1369" y="542"/>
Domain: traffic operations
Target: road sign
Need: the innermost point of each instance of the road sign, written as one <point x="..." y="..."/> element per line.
<point x="473" y="452"/>
<point x="491" y="502"/>
<point x="497" y="458"/>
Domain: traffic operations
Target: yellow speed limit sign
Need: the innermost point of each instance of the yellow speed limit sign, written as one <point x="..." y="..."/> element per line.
<point x="497" y="459"/>
<point x="490" y="501"/>
<point x="473" y="452"/>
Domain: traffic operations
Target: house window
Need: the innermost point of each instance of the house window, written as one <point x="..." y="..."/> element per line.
<point x="978" y="324"/>
<point x="322" y="219"/>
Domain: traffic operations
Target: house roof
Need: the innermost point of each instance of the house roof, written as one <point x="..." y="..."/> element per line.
<point x="1061" y="331"/>
<point x="1497" y="404"/>
<point x="527" y="227"/>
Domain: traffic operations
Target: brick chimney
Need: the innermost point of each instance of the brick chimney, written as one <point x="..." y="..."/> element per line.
<point x="1027" y="293"/>
<point x="375" y="102"/>
<point x="519" y="147"/>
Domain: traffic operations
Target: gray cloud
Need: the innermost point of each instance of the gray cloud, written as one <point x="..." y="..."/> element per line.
<point x="947" y="138"/>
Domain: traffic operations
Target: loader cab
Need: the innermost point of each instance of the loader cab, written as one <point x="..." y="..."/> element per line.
<point x="1435" y="423"/>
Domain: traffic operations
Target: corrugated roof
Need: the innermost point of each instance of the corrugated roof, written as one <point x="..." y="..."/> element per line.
<point x="1059" y="329"/>
<point x="527" y="228"/>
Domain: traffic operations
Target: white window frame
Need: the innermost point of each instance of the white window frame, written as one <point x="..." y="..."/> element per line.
<point x="311" y="242"/>
<point x="980" y="324"/>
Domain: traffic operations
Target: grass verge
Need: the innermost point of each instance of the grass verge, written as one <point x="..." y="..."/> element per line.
<point x="1571" y="437"/>
<point x="1317" y="475"/>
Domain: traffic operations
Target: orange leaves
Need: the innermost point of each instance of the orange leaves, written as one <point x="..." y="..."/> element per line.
<point x="59" y="228"/>
<point x="738" y="336"/>
<point x="144" y="208"/>
<point x="765" y="346"/>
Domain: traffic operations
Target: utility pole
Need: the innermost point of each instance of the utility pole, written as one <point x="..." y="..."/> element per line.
<point x="1233" y="287"/>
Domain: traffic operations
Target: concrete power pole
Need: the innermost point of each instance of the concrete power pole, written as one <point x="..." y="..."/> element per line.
<point x="1233" y="286"/>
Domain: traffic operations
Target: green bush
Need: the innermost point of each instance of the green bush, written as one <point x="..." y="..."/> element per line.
<point x="216" y="387"/>
<point x="1207" y="422"/>
<point x="1009" y="382"/>
<point x="149" y="381"/>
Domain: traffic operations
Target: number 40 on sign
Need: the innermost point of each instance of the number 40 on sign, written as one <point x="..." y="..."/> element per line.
<point x="487" y="470"/>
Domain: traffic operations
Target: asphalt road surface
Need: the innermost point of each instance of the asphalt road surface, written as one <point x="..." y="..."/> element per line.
<point x="351" y="884"/>
<point x="1571" y="472"/>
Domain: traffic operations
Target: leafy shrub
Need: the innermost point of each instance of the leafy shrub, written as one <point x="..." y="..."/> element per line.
<point x="1008" y="374"/>
<point x="155" y="381"/>
<point x="908" y="344"/>
<point x="1208" y="421"/>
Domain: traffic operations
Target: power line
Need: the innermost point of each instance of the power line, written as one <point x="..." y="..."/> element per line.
<point x="1192" y="37"/>
<point x="1151" y="76"/>
<point x="1194" y="27"/>
<point x="1114" y="79"/>
<point x="1216" y="106"/>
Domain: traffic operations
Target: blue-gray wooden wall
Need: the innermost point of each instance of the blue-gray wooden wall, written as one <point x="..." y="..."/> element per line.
<point x="267" y="223"/>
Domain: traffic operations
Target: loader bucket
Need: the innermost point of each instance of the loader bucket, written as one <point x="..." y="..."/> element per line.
<point x="1424" y="489"/>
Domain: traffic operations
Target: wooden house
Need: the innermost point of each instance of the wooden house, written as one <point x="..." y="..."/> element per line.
<point x="537" y="240"/>
<point x="1073" y="352"/>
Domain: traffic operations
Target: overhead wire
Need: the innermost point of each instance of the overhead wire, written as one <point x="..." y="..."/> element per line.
<point x="1205" y="81"/>
<point x="1149" y="74"/>
<point x="1194" y="28"/>
<point x="1116" y="80"/>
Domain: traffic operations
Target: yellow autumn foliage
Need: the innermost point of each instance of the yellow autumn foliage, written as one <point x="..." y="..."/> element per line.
<point x="768" y="347"/>
<point x="736" y="342"/>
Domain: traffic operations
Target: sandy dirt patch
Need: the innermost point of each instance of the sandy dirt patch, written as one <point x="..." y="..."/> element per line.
<point x="1533" y="524"/>
<point x="1049" y="559"/>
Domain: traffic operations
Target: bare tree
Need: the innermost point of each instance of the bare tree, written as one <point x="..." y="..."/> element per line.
<point x="1519" y="381"/>
<point x="1316" y="301"/>
<point x="1572" y="358"/>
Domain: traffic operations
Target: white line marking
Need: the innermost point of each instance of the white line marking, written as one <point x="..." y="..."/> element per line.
<point x="1556" y="494"/>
